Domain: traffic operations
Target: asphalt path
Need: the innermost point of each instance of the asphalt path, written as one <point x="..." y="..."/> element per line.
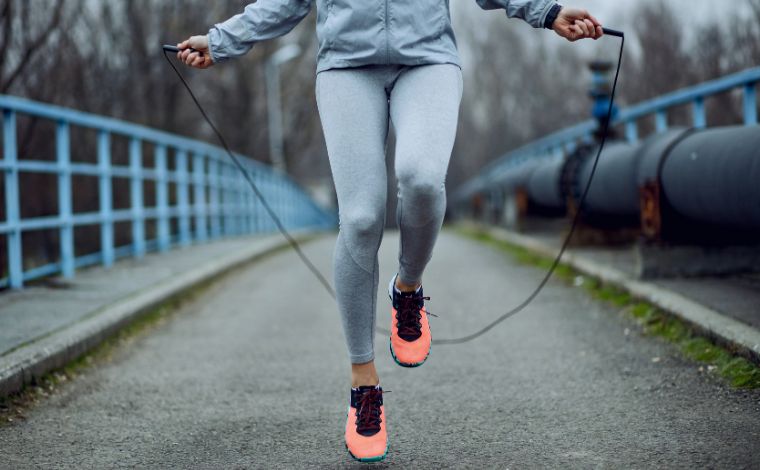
<point x="254" y="375"/>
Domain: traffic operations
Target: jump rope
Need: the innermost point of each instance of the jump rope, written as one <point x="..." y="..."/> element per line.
<point x="323" y="280"/>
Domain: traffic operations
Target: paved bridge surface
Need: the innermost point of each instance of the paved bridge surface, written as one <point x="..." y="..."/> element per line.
<point x="253" y="374"/>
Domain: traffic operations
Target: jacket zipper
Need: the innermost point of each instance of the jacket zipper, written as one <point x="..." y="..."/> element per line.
<point x="387" y="38"/>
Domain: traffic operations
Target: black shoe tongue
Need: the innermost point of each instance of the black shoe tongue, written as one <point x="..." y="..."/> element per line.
<point x="357" y="393"/>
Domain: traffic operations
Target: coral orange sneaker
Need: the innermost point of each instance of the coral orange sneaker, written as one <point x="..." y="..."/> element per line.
<point x="366" y="438"/>
<point x="410" y="330"/>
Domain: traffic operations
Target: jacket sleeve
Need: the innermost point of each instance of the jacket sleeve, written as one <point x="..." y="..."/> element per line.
<point x="534" y="12"/>
<point x="262" y="20"/>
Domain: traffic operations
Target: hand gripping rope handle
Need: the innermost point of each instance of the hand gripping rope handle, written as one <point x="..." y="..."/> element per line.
<point x="321" y="278"/>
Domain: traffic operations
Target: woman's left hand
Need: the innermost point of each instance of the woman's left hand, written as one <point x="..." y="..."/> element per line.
<point x="574" y="24"/>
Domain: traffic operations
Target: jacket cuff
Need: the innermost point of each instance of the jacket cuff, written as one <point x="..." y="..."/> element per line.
<point x="215" y="46"/>
<point x="552" y="15"/>
<point x="220" y="48"/>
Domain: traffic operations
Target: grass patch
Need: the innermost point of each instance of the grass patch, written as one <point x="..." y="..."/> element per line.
<point x="736" y="371"/>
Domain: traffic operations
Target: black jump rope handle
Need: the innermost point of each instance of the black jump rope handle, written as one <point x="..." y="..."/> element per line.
<point x="613" y="32"/>
<point x="175" y="49"/>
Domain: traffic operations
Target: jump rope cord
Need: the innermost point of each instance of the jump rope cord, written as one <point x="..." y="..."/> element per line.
<point x="321" y="278"/>
<point x="576" y="218"/>
<point x="292" y="241"/>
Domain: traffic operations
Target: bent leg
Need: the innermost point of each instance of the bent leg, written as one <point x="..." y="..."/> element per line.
<point x="425" y="111"/>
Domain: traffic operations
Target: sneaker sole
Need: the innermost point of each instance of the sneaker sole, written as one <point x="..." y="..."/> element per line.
<point x="406" y="364"/>
<point x="369" y="459"/>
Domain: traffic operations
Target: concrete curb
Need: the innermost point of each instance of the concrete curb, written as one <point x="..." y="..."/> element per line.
<point x="23" y="366"/>
<point x="732" y="334"/>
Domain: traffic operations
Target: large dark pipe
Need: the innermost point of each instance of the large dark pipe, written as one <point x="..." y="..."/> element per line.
<point x="614" y="191"/>
<point x="652" y="151"/>
<point x="543" y="185"/>
<point x="517" y="177"/>
<point x="713" y="176"/>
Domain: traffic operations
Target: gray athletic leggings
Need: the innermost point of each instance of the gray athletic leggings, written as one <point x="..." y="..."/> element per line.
<point x="356" y="106"/>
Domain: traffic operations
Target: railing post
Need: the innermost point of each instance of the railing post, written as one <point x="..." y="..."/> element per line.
<point x="216" y="185"/>
<point x="558" y="154"/>
<point x="234" y="198"/>
<point x="229" y="174"/>
<point x="250" y="226"/>
<point x="226" y="181"/>
<point x="700" y="119"/>
<point x="243" y="219"/>
<point x="201" y="231"/>
<point x="162" y="199"/>
<point x="259" y="178"/>
<point x="241" y="207"/>
<point x="631" y="131"/>
<point x="183" y="197"/>
<point x="283" y="212"/>
<point x="136" y="193"/>
<point x="12" y="210"/>
<point x="750" y="104"/>
<point x="271" y="195"/>
<point x="661" y="120"/>
<point x="63" y="157"/>
<point x="106" y="198"/>
<point x="274" y="197"/>
<point x="292" y="208"/>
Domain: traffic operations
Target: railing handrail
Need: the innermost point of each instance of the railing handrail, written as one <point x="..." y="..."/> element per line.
<point x="222" y="203"/>
<point x="113" y="126"/>
<point x="688" y="95"/>
<point x="629" y="116"/>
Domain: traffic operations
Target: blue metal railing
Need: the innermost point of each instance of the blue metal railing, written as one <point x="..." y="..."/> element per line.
<point x="567" y="139"/>
<point x="222" y="203"/>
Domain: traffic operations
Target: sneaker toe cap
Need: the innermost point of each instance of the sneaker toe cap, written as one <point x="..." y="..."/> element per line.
<point x="367" y="448"/>
<point x="411" y="352"/>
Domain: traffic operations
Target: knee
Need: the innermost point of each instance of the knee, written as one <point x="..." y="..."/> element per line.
<point x="416" y="185"/>
<point x="360" y="235"/>
<point x="362" y="225"/>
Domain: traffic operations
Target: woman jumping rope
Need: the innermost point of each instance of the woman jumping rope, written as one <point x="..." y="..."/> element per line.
<point x="381" y="62"/>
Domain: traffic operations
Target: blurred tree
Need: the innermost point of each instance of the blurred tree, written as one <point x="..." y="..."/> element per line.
<point x="25" y="32"/>
<point x="517" y="88"/>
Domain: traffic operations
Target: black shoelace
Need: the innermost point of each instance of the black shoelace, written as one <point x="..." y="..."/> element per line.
<point x="408" y="315"/>
<point x="368" y="412"/>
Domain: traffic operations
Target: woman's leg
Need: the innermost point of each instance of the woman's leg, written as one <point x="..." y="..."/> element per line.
<point x="353" y="107"/>
<point x="424" y="108"/>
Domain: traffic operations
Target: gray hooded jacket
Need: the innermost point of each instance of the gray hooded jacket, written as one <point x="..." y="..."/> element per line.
<point x="352" y="33"/>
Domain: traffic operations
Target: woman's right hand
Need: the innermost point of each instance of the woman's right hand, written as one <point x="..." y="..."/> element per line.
<point x="194" y="59"/>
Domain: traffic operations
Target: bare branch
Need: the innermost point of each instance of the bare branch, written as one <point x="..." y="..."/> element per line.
<point x="7" y="19"/>
<point x="35" y="46"/>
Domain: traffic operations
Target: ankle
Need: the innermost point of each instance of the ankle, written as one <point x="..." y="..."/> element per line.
<point x="406" y="288"/>
<point x="364" y="381"/>
<point x="364" y="375"/>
